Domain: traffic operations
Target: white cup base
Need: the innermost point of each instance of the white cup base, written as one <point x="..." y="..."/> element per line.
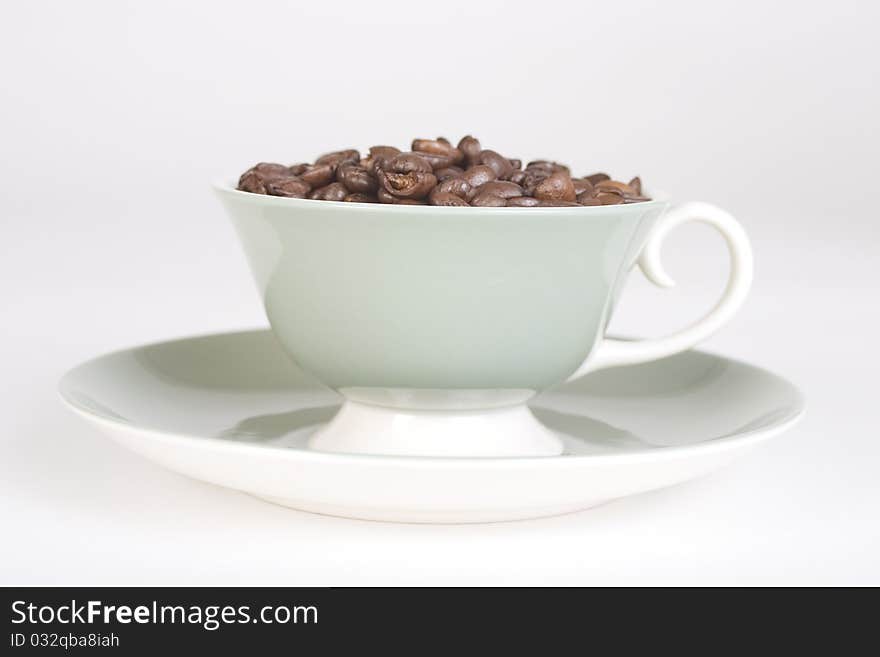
<point x="507" y="431"/>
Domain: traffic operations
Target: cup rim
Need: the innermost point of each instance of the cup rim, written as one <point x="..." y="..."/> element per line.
<point x="224" y="187"/>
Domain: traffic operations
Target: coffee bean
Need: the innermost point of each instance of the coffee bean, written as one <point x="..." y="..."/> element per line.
<point x="479" y="175"/>
<point x="251" y="181"/>
<point x="291" y="187"/>
<point x="547" y="165"/>
<point x="606" y="198"/>
<point x="438" y="161"/>
<point x="488" y="200"/>
<point x="254" y="179"/>
<point x="414" y="185"/>
<point x="499" y="164"/>
<point x="438" y="148"/>
<point x="270" y="170"/>
<point x="531" y="179"/>
<point x="448" y="172"/>
<point x="596" y="178"/>
<point x="587" y="198"/>
<point x="582" y="185"/>
<point x="458" y="186"/>
<point x="408" y="163"/>
<point x="336" y="158"/>
<point x="318" y="175"/>
<point x="445" y="198"/>
<point x="377" y="156"/>
<point x="556" y="187"/>
<point x="439" y="173"/>
<point x="358" y="197"/>
<point x="332" y="192"/>
<point x="502" y="188"/>
<point x="470" y="147"/>
<point x="523" y="202"/>
<point x="628" y="194"/>
<point x="385" y="197"/>
<point x="615" y="187"/>
<point x="357" y="179"/>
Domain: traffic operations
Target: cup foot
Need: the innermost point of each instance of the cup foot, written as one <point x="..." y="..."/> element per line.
<point x="496" y="432"/>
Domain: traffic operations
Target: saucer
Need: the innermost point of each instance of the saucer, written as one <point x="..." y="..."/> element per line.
<point x="231" y="409"/>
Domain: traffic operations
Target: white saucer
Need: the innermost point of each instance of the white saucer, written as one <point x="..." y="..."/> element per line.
<point x="232" y="410"/>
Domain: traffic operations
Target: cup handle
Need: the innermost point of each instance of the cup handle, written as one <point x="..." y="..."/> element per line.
<point x="611" y="353"/>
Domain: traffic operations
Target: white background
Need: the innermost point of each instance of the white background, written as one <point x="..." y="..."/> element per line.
<point x="114" y="117"/>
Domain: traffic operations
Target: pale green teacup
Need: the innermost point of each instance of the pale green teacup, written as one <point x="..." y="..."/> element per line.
<point x="437" y="324"/>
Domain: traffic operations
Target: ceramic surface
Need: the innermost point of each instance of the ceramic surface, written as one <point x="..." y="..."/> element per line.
<point x="232" y="410"/>
<point x="420" y="316"/>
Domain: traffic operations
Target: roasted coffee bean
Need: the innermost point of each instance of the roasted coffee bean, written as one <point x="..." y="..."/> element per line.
<point x="385" y="197"/>
<point x="498" y="163"/>
<point x="336" y="158"/>
<point x="503" y="188"/>
<point x="479" y="175"/>
<point x="318" y="175"/>
<point x="332" y="192"/>
<point x="384" y="151"/>
<point x="254" y="179"/>
<point x="458" y="186"/>
<point x="587" y="198"/>
<point x="470" y="147"/>
<point x="556" y="187"/>
<point x="439" y="173"/>
<point x="627" y="193"/>
<point x="291" y="187"/>
<point x="488" y="200"/>
<point x="614" y="187"/>
<point x="408" y="163"/>
<point x="271" y="170"/>
<point x="444" y="198"/>
<point x="547" y="165"/>
<point x="582" y="185"/>
<point x="523" y="202"/>
<point x="414" y="185"/>
<point x="438" y="161"/>
<point x="531" y="179"/>
<point x="437" y="147"/>
<point x="448" y="172"/>
<point x="596" y="178"/>
<point x="377" y="156"/>
<point x="251" y="181"/>
<point x="358" y="197"/>
<point x="608" y="198"/>
<point x="357" y="179"/>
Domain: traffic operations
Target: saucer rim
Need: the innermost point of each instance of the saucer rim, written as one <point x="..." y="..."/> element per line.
<point x="718" y="444"/>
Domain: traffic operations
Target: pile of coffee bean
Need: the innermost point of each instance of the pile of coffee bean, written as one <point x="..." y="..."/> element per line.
<point x="434" y="172"/>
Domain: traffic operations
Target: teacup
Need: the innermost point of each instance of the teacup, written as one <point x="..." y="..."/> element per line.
<point x="438" y="324"/>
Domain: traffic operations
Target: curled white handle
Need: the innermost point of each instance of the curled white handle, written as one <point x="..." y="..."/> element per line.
<point x="610" y="352"/>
